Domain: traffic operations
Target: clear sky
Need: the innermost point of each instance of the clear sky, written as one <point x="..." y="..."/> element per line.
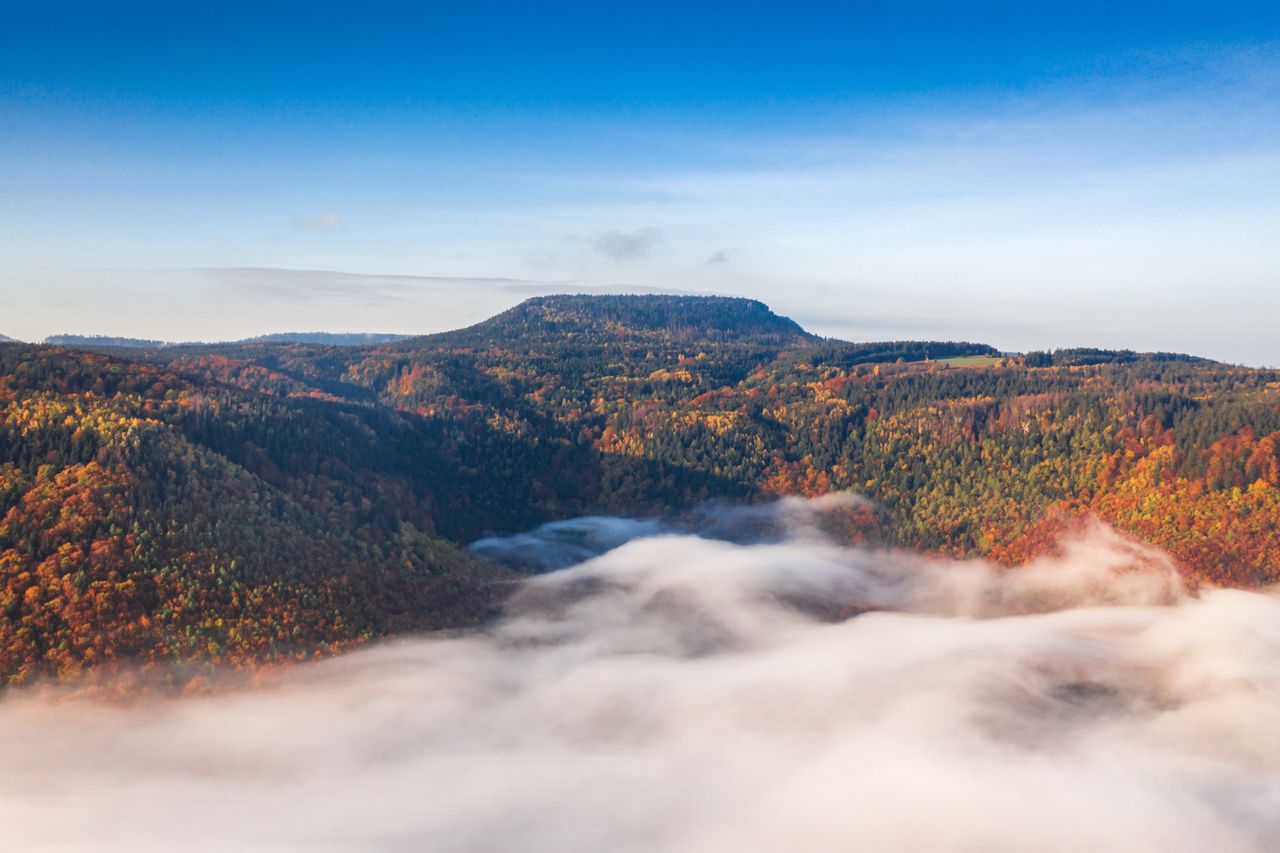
<point x="1028" y="174"/>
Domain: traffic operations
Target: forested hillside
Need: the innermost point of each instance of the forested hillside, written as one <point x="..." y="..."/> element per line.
<point x="142" y="515"/>
<point x="264" y="500"/>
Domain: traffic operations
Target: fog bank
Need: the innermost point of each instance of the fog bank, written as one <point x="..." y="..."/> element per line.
<point x="686" y="693"/>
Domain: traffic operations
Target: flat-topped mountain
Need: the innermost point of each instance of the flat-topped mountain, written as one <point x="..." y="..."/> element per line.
<point x="563" y="319"/>
<point x="597" y="317"/>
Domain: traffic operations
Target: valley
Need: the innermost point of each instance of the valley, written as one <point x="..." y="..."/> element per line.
<point x="269" y="502"/>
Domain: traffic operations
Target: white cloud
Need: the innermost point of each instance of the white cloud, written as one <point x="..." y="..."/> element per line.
<point x="325" y="220"/>
<point x="682" y="694"/>
<point x="623" y="246"/>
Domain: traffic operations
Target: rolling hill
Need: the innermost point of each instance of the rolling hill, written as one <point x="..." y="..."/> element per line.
<point x="267" y="501"/>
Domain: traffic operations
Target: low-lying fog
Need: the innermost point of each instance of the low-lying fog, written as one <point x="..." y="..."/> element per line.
<point x="687" y="693"/>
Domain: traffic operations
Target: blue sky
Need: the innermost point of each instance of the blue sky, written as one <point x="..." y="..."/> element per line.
<point x="1029" y="174"/>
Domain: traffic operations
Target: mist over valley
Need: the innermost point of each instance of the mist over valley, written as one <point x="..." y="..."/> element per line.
<point x="680" y="692"/>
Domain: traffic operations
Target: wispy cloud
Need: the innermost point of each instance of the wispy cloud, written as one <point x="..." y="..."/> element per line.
<point x="325" y="220"/>
<point x="298" y="284"/>
<point x="623" y="246"/>
<point x="301" y="283"/>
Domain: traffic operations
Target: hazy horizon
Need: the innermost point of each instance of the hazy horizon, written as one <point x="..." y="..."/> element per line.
<point x="1033" y="177"/>
<point x="446" y="304"/>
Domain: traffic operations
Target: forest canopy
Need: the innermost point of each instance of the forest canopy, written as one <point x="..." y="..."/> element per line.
<point x="275" y="500"/>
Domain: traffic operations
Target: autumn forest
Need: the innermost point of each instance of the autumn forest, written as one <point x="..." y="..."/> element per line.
<point x="265" y="502"/>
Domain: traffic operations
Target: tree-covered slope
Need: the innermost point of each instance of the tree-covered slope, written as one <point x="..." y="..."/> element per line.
<point x="966" y="450"/>
<point x="146" y="516"/>
<point x="255" y="501"/>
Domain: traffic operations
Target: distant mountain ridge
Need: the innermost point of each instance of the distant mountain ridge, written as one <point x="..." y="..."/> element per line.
<point x="103" y="341"/>
<point x="335" y="339"/>
<point x="5" y="339"/>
